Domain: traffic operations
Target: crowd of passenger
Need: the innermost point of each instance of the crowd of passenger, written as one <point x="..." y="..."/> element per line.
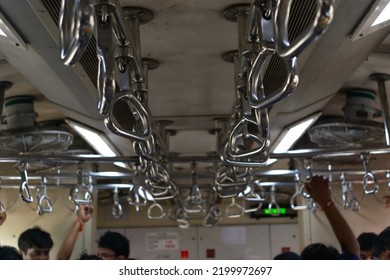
<point x="36" y="244"/>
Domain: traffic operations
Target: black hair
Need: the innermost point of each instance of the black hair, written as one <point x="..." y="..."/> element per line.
<point x="9" y="253"/>
<point x="34" y="237"/>
<point x="367" y="240"/>
<point x="287" y="256"/>
<point x="116" y="242"/>
<point x="319" y="251"/>
<point x="86" y="256"/>
<point x="383" y="242"/>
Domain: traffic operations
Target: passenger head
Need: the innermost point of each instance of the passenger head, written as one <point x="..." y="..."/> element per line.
<point x="319" y="251"/>
<point x="9" y="253"/>
<point x="287" y="256"/>
<point x="113" y="246"/>
<point x="367" y="241"/>
<point x="86" y="256"/>
<point x="35" y="244"/>
<point x="382" y="247"/>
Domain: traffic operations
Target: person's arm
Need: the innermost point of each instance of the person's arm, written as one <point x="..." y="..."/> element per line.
<point x="67" y="246"/>
<point x="3" y="213"/>
<point x="318" y="188"/>
<point x="3" y="217"/>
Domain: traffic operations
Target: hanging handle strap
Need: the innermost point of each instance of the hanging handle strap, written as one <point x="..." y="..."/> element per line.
<point x="156" y="211"/>
<point x="44" y="202"/>
<point x="24" y="189"/>
<point x="76" y="24"/>
<point x="117" y="210"/>
<point x="273" y="204"/>
<point x="370" y="184"/>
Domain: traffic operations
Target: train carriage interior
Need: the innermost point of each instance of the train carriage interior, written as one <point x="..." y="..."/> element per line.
<point x="191" y="126"/>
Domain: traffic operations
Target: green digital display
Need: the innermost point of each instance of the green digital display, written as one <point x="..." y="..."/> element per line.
<point x="274" y="211"/>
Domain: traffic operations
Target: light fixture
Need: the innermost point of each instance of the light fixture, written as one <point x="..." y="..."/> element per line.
<point x="97" y="140"/>
<point x="377" y="18"/>
<point x="9" y="35"/>
<point x="290" y="134"/>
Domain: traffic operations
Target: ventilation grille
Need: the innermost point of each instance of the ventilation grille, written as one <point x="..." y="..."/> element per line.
<point x="89" y="59"/>
<point x="302" y="15"/>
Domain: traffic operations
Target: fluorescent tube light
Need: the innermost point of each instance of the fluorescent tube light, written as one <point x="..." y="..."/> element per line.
<point x="377" y="18"/>
<point x="383" y="16"/>
<point x="290" y="134"/>
<point x="97" y="140"/>
<point x="2" y="33"/>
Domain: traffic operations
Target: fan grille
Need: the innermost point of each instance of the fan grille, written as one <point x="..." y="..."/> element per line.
<point x="35" y="141"/>
<point x="347" y="135"/>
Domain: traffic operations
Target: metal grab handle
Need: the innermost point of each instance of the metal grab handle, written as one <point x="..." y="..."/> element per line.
<point x="253" y="162"/>
<point x="273" y="204"/>
<point x="44" y="202"/>
<point x="370" y="183"/>
<point x="194" y="203"/>
<point x="76" y="22"/>
<point x="44" y="205"/>
<point x="177" y="214"/>
<point x="300" y="192"/>
<point x="230" y="181"/>
<point x="191" y="207"/>
<point x="234" y="210"/>
<point x="256" y="95"/>
<point x="232" y="191"/>
<point x="157" y="176"/>
<point x="255" y="87"/>
<point x="156" y="211"/>
<point x="138" y="110"/>
<point x="106" y="85"/>
<point x="116" y="210"/>
<point x="24" y="189"/>
<point x="322" y="19"/>
<point x="354" y="202"/>
<point x="139" y="196"/>
<point x="240" y="132"/>
<point x="168" y="193"/>
<point x="124" y="36"/>
<point x="296" y="207"/>
<point x="344" y="191"/>
<point x="231" y="176"/>
<point x="81" y="194"/>
<point x="253" y="197"/>
<point x="348" y="196"/>
<point x="146" y="149"/>
<point x="213" y="216"/>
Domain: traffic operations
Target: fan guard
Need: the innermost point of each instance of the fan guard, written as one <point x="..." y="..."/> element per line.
<point x="35" y="141"/>
<point x="24" y="136"/>
<point x="352" y="135"/>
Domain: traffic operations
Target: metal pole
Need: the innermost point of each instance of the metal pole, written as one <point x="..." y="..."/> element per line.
<point x="3" y="86"/>
<point x="381" y="78"/>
